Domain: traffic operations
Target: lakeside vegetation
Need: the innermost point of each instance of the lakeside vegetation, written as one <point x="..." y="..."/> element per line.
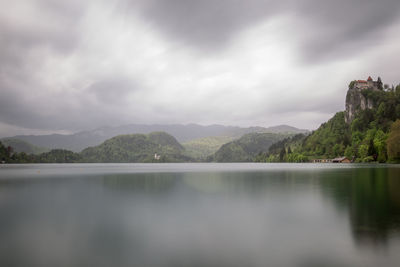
<point x="122" y="148"/>
<point x="137" y="148"/>
<point x="246" y="148"/>
<point x="373" y="135"/>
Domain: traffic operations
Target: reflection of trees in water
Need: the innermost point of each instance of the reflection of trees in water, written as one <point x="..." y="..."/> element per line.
<point x="251" y="183"/>
<point x="372" y="197"/>
<point x="141" y="182"/>
<point x="212" y="182"/>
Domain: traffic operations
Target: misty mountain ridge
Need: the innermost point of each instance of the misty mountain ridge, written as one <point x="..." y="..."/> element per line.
<point x="183" y="133"/>
<point x="130" y="148"/>
<point x="23" y="146"/>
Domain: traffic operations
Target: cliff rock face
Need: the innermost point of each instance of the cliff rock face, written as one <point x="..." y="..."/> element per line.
<point x="355" y="101"/>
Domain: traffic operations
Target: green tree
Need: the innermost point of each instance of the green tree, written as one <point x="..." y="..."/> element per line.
<point x="338" y="150"/>
<point x="351" y="84"/>
<point x="349" y="152"/>
<point x="3" y="153"/>
<point x="380" y="84"/>
<point x="381" y="109"/>
<point x="393" y="142"/>
<point x="397" y="110"/>
<point x="363" y="151"/>
<point x="380" y="145"/>
<point x="282" y="154"/>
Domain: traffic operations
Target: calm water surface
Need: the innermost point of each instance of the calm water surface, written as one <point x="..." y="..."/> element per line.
<point x="199" y="215"/>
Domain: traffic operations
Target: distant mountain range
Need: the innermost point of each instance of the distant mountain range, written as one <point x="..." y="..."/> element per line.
<point x="145" y="148"/>
<point x="23" y="146"/>
<point x="183" y="133"/>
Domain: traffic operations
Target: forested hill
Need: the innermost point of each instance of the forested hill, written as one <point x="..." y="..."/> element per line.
<point x="372" y="133"/>
<point x="136" y="148"/>
<point x="153" y="147"/>
<point x="246" y="148"/>
<point x="202" y="148"/>
<point x="183" y="133"/>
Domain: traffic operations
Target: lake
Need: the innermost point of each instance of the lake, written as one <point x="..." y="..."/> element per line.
<point x="200" y="215"/>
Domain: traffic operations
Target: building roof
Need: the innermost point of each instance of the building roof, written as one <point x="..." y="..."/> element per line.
<point x="340" y="158"/>
<point x="369" y="78"/>
<point x="361" y="81"/>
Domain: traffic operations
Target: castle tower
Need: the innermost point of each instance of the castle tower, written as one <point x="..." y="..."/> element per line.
<point x="370" y="82"/>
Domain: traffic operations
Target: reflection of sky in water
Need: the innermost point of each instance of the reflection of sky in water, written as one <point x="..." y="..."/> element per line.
<point x="273" y="215"/>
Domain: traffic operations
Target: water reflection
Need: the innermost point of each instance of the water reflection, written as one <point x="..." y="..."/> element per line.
<point x="283" y="216"/>
<point x="372" y="199"/>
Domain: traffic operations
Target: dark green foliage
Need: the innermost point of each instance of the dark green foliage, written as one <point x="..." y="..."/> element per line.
<point x="247" y="148"/>
<point x="282" y="154"/>
<point x="393" y="142"/>
<point x="54" y="156"/>
<point x="286" y="150"/>
<point x="294" y="141"/>
<point x="372" y="195"/>
<point x="380" y="84"/>
<point x="385" y="107"/>
<point x="4" y="155"/>
<point x="22" y="157"/>
<point x="370" y="127"/>
<point x="164" y="139"/>
<point x="351" y="84"/>
<point x="364" y="140"/>
<point x="59" y="156"/>
<point x="136" y="148"/>
<point x="329" y="140"/>
<point x="204" y="147"/>
<point x="123" y="148"/>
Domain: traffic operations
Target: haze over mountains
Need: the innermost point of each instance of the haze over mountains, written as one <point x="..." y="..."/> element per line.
<point x="183" y="133"/>
<point x="367" y="131"/>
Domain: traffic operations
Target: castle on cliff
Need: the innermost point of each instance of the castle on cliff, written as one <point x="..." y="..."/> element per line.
<point x="356" y="100"/>
<point x="368" y="84"/>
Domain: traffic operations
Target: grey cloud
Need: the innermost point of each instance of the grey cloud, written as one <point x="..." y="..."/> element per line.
<point x="54" y="25"/>
<point x="206" y="24"/>
<point x="11" y="110"/>
<point x="333" y="28"/>
<point x="53" y="110"/>
<point x="323" y="105"/>
<point x="113" y="90"/>
<point x="51" y="25"/>
<point x="340" y="28"/>
<point x="327" y="30"/>
<point x="16" y="109"/>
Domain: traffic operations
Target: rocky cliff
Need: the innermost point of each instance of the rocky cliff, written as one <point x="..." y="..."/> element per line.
<point x="355" y="101"/>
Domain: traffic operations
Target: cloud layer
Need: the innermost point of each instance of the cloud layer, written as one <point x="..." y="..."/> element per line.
<point x="68" y="66"/>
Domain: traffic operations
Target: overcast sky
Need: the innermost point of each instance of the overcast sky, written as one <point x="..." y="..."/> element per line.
<point x="72" y="65"/>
